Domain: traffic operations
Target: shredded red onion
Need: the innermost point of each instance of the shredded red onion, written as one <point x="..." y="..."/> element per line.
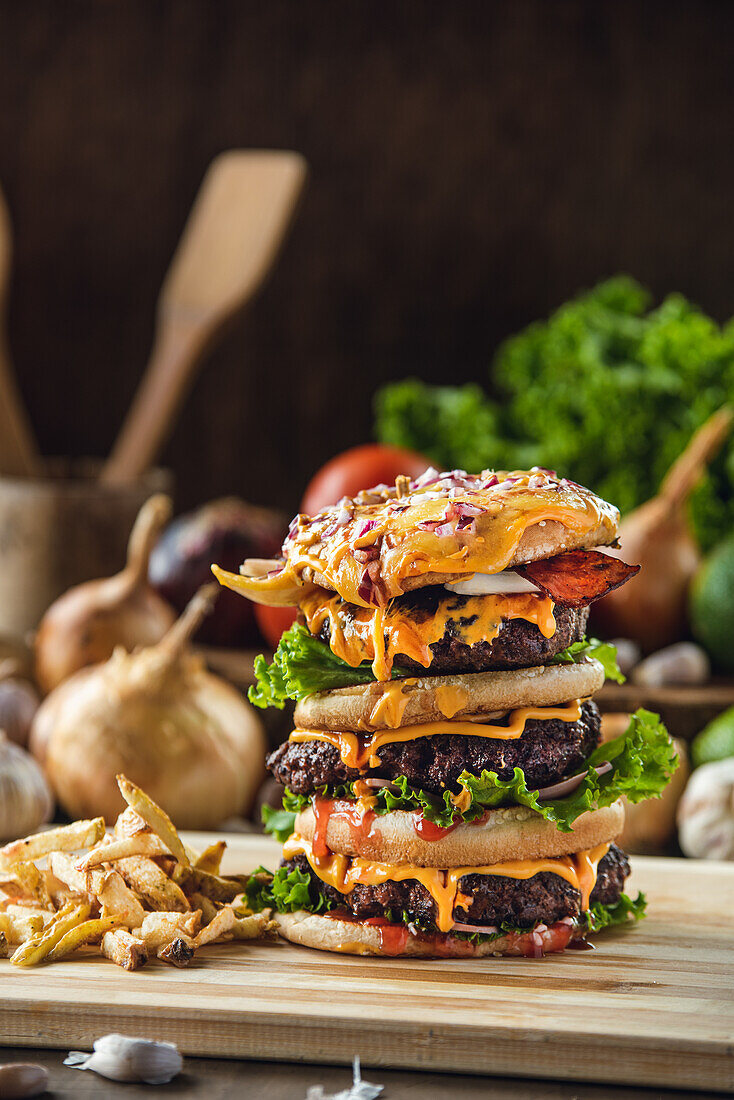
<point x="485" y="929"/>
<point x="567" y="786"/>
<point x="366" y="526"/>
<point x="378" y="784"/>
<point x="443" y="530"/>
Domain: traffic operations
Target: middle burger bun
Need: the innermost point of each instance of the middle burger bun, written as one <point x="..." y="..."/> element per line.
<point x="513" y="833"/>
<point x="461" y="697"/>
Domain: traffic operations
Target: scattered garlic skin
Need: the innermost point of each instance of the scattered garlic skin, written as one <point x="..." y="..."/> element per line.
<point x="25" y="798"/>
<point x="21" y="1079"/>
<point x="122" y="1058"/>
<point x="706" y="812"/>
<point x="682" y="663"/>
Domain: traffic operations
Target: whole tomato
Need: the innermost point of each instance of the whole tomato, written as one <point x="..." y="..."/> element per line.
<point x="273" y="621"/>
<point x="359" y="468"/>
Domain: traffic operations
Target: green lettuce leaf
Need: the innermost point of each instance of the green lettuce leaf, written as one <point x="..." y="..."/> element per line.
<point x="643" y="758"/>
<point x="285" y="891"/>
<point x="622" y="912"/>
<point x="603" y="652"/>
<point x="301" y="666"/>
<point x="279" y="823"/>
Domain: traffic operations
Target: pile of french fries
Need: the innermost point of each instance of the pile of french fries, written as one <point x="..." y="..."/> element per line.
<point x="135" y="893"/>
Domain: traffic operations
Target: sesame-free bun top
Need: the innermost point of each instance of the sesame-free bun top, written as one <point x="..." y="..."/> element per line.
<point x="391" y="539"/>
<point x="460" y="697"/>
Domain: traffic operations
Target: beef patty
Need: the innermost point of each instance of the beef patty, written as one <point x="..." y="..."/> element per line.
<point x="519" y="643"/>
<point x="547" y="751"/>
<point x="544" y="898"/>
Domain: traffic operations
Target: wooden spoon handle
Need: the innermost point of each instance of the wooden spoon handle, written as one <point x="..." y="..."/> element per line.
<point x="177" y="349"/>
<point x="689" y="467"/>
<point x="18" y="454"/>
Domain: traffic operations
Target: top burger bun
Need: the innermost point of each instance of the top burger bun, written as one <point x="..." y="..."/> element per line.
<point x="442" y="527"/>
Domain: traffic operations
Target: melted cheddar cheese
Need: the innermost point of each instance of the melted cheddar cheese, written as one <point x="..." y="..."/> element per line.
<point x="367" y="548"/>
<point x="358" y="634"/>
<point x="343" y="874"/>
<point x="357" y="752"/>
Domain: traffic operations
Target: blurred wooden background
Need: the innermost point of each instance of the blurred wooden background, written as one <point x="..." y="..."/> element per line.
<point x="473" y="163"/>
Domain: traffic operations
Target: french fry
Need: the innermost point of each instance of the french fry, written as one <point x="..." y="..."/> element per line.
<point x="207" y="907"/>
<point x="18" y="929"/>
<point x="178" y="952"/>
<point x="130" y="824"/>
<point x="67" y="838"/>
<point x="124" y="949"/>
<point x="222" y="925"/>
<point x="215" y="887"/>
<point x="4" y="946"/>
<point x="157" y="818"/>
<point x="159" y="929"/>
<point x="77" y="937"/>
<point x="35" y="950"/>
<point x="153" y="885"/>
<point x="24" y="880"/>
<point x="142" y="844"/>
<point x="107" y="888"/>
<point x="211" y="858"/>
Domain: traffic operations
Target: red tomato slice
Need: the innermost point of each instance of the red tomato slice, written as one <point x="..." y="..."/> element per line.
<point x="359" y="468"/>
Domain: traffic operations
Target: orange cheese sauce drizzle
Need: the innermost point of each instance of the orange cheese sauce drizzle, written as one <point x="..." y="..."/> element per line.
<point x="358" y="634"/>
<point x="402" y="534"/>
<point x="356" y="752"/>
<point x="343" y="874"/>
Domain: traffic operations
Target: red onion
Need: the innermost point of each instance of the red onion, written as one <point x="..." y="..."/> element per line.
<point x="567" y="786"/>
<point x="443" y="530"/>
<point x="367" y="525"/>
<point x="378" y="784"/>
<point x="484" y="929"/>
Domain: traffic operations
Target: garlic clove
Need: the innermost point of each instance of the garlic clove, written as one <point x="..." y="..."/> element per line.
<point x="682" y="663"/>
<point x="21" y="1079"/>
<point x="123" y="1058"/>
<point x="25" y="798"/>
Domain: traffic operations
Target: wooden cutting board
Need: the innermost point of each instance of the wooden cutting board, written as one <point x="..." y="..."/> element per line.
<point x="653" y="1005"/>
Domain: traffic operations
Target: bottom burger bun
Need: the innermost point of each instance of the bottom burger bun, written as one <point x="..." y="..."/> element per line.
<point x="355" y="938"/>
<point x="506" y="834"/>
<point x="471" y="695"/>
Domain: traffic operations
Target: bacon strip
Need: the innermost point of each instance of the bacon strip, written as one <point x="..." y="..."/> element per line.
<point x="579" y="577"/>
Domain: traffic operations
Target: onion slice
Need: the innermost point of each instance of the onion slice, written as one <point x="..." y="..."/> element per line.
<point x="567" y="786"/>
<point x="484" y="929"/>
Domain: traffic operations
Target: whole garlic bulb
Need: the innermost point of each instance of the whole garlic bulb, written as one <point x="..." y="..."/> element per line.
<point x="706" y="812"/>
<point x="25" y="799"/>
<point x="186" y="736"/>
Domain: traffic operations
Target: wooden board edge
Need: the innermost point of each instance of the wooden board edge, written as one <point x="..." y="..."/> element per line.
<point x="494" y="1052"/>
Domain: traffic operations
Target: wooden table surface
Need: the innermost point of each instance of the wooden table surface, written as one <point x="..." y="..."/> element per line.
<point x="216" y="1079"/>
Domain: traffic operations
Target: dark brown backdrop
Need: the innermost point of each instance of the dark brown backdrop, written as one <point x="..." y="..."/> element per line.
<point x="473" y="163"/>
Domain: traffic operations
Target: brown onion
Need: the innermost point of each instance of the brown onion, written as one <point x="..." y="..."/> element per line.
<point x="84" y="626"/>
<point x="651" y="607"/>
<point x="184" y="735"/>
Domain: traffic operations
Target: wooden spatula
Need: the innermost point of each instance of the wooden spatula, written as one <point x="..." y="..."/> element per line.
<point x="18" y="453"/>
<point x="232" y="237"/>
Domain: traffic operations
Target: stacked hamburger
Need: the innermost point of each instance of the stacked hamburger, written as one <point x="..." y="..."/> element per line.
<point x="446" y="791"/>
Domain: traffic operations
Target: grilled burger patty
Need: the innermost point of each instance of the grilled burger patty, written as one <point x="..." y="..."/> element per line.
<point x="519" y="643"/>
<point x="544" y="898"/>
<point x="547" y="751"/>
